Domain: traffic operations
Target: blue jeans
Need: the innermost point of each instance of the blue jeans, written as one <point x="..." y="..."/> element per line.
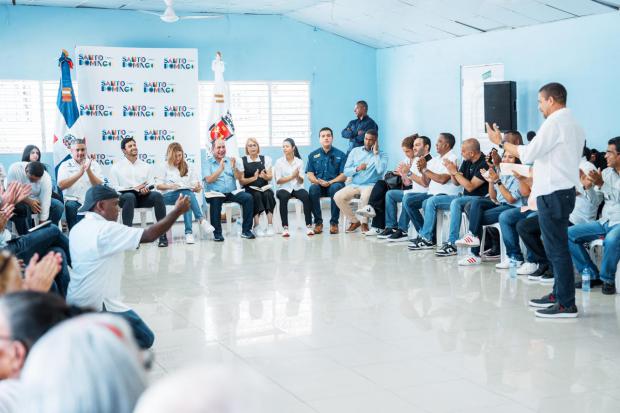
<point x="316" y="192"/>
<point x="553" y="212"/>
<point x="171" y="197"/>
<point x="508" y="225"/>
<point x="412" y="202"/>
<point x="392" y="198"/>
<point x="579" y="234"/>
<point x="142" y="333"/>
<point x="23" y="215"/>
<point x="247" y="210"/>
<point x="430" y="206"/>
<point x="42" y="241"/>
<point x="457" y="206"/>
<point x="71" y="213"/>
<point x="483" y="211"/>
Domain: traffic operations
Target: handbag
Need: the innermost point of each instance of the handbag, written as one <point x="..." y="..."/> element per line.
<point x="393" y="181"/>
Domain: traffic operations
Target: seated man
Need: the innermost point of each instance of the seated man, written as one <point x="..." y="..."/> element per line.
<point x="608" y="226"/>
<point x="469" y="176"/>
<point x="75" y="176"/>
<point x="40" y="242"/>
<point x="40" y="200"/>
<point x="133" y="178"/>
<point x="365" y="166"/>
<point x="439" y="184"/>
<point x="219" y="175"/>
<point x="325" y="171"/>
<point x="97" y="244"/>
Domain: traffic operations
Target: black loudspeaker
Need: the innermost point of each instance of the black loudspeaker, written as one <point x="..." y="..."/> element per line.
<point x="500" y="104"/>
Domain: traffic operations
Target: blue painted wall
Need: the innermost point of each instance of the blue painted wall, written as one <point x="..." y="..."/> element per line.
<point x="419" y="90"/>
<point x="254" y="47"/>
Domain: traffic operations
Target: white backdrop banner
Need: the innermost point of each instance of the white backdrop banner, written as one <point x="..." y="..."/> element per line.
<point x="148" y="94"/>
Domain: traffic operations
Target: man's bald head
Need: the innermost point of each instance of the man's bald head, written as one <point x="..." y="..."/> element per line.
<point x="470" y="149"/>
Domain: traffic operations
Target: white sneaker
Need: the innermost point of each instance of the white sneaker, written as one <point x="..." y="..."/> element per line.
<point x="258" y="231"/>
<point x="470" y="260"/>
<point x="285" y="233"/>
<point x="504" y="265"/>
<point x="206" y="228"/>
<point x="270" y="232"/>
<point x="527" y="268"/>
<point x="189" y="239"/>
<point x="372" y="232"/>
<point x="309" y="231"/>
<point x="367" y="211"/>
<point x="469" y="240"/>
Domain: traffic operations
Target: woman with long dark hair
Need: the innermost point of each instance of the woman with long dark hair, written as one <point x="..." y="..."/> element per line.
<point x="290" y="180"/>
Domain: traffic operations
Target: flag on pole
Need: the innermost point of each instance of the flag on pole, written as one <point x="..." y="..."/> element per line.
<point x="220" y="119"/>
<point x="67" y="128"/>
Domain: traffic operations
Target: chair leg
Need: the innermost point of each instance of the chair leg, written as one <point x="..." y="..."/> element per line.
<point x="228" y="218"/>
<point x="299" y="214"/>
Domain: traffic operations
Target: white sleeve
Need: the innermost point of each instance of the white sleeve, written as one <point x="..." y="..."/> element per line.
<point x="302" y="174"/>
<point x="239" y="165"/>
<point x="13" y="175"/>
<point x="545" y="141"/>
<point x="277" y="170"/>
<point x="115" y="238"/>
<point x="268" y="162"/>
<point x="94" y="166"/>
<point x="45" y="196"/>
<point x="114" y="183"/>
<point x="62" y="172"/>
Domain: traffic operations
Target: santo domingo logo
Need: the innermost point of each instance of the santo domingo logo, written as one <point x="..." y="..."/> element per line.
<point x="158" y="135"/>
<point x="158" y="87"/>
<point x="96" y="60"/>
<point x="104" y="159"/>
<point x="116" y="86"/>
<point x="115" y="134"/>
<point x="96" y="110"/>
<point x="178" y="112"/>
<point x="138" y="111"/>
<point x="137" y="62"/>
<point x="147" y="157"/>
<point x="178" y="63"/>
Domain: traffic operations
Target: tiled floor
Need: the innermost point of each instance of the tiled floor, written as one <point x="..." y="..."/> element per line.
<point x="344" y="324"/>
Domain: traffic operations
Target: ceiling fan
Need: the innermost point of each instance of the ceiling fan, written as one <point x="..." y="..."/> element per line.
<point x="169" y="16"/>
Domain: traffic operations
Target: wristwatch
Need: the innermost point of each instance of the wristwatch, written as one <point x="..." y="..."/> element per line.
<point x="409" y="174"/>
<point x="498" y="183"/>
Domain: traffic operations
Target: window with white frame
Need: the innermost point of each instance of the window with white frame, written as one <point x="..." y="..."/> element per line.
<point x="267" y="111"/>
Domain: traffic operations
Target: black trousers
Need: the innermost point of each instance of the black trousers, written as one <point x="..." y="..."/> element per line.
<point x="303" y="196"/>
<point x="553" y="211"/>
<point x="377" y="201"/>
<point x="242" y="198"/>
<point x="263" y="201"/>
<point x="530" y="233"/>
<point x="129" y="201"/>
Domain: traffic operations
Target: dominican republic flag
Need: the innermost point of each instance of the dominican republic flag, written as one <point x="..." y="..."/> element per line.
<point x="67" y="127"/>
<point x="220" y="119"/>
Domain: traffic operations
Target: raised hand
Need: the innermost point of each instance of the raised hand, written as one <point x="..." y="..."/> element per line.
<point x="421" y="164"/>
<point x="39" y="275"/>
<point x="450" y="166"/>
<point x="6" y="212"/>
<point x="596" y="177"/>
<point x="182" y="204"/>
<point x="495" y="135"/>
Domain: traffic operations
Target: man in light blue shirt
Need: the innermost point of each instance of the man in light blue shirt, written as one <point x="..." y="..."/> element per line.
<point x="220" y="187"/>
<point x="365" y="166"/>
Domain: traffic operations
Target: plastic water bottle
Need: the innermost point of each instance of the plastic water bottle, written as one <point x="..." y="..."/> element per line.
<point x="238" y="227"/>
<point x="513" y="268"/>
<point x="586" y="277"/>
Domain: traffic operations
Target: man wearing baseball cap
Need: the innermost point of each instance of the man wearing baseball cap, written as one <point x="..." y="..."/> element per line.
<point x="97" y="242"/>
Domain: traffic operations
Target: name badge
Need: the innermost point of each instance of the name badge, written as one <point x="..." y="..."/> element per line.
<point x="318" y="155"/>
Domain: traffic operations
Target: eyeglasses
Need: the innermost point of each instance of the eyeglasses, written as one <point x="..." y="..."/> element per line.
<point x="613" y="153"/>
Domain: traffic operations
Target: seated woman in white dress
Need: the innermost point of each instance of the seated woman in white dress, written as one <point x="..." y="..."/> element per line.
<point x="179" y="178"/>
<point x="290" y="180"/>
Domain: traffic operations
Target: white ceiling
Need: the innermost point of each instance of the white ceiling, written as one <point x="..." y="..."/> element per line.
<point x="378" y="23"/>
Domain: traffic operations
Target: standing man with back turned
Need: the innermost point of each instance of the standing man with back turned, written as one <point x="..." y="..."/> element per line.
<point x="556" y="154"/>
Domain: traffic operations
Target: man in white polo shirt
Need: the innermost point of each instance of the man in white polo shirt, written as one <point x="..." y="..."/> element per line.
<point x="555" y="154"/>
<point x="97" y="244"/>
<point x="75" y="176"/>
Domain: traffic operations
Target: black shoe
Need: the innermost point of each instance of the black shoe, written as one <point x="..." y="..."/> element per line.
<point x="421" y="244"/>
<point x="446" y="250"/>
<point x="543" y="302"/>
<point x="218" y="238"/>
<point x="398" y="236"/>
<point x="558" y="311"/>
<point x="546" y="278"/>
<point x="609" y="288"/>
<point x="163" y="241"/>
<point x="385" y="233"/>
<point x="248" y="235"/>
<point x="542" y="269"/>
<point x="593" y="283"/>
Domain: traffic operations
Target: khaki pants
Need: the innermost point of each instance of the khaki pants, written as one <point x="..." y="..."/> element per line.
<point x="345" y="195"/>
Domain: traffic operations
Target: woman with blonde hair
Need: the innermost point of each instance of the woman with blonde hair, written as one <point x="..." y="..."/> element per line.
<point x="254" y="173"/>
<point x="180" y="179"/>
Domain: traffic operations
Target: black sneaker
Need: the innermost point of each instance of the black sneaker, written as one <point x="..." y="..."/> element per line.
<point x="398" y="236"/>
<point x="218" y="238"/>
<point x="421" y="244"/>
<point x="558" y="311"/>
<point x="248" y="235"/>
<point x="609" y="288"/>
<point x="593" y="283"/>
<point x="542" y="269"/>
<point x="446" y="250"/>
<point x="385" y="233"/>
<point x="543" y="302"/>
<point x="163" y="241"/>
<point x="546" y="278"/>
